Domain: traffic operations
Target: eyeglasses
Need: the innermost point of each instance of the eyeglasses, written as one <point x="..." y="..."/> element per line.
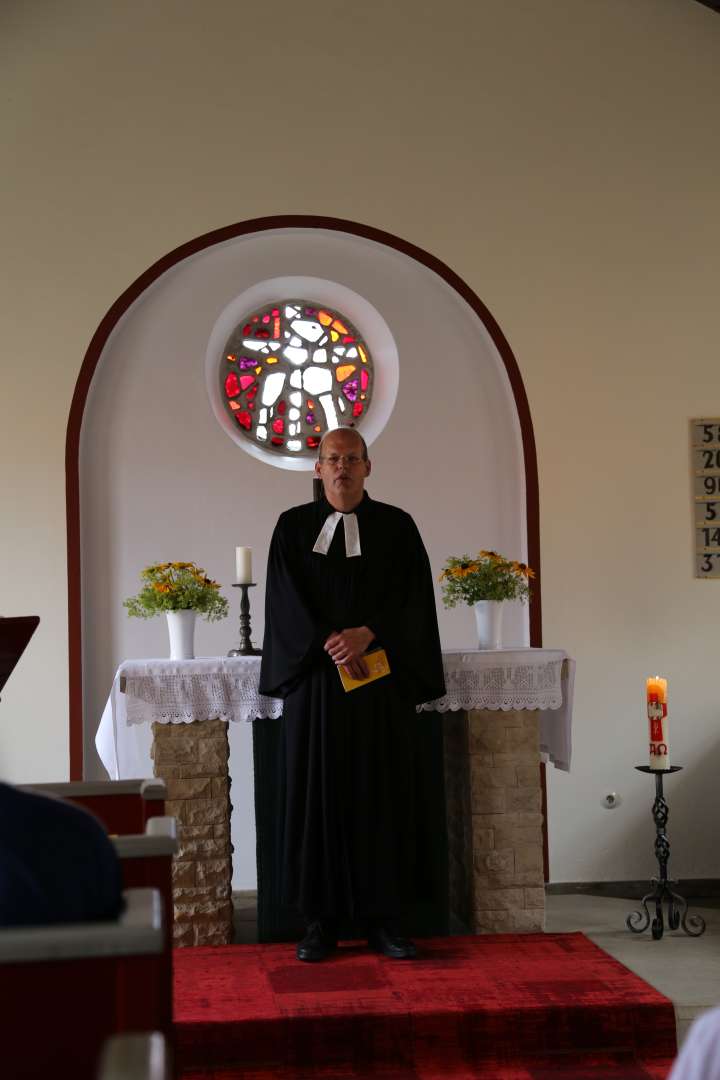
<point x="335" y="459"/>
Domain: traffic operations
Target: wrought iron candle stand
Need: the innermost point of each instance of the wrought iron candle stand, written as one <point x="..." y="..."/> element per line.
<point x="677" y="908"/>
<point x="246" y="645"/>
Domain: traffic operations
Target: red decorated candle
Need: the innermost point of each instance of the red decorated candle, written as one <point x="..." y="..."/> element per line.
<point x="658" y="722"/>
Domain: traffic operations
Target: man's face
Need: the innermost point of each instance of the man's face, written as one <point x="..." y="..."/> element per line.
<point x="342" y="468"/>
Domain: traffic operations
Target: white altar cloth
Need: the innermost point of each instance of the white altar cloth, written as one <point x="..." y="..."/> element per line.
<point x="226" y="688"/>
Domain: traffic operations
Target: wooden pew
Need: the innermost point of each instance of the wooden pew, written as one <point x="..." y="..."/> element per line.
<point x="65" y="989"/>
<point x="146" y="859"/>
<point x="136" y="1057"/>
<point x="146" y="862"/>
<point x="123" y="806"/>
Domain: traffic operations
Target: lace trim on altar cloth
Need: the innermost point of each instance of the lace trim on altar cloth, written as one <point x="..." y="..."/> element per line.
<point x="507" y="686"/>
<point x="180" y="699"/>
<point x="452" y="703"/>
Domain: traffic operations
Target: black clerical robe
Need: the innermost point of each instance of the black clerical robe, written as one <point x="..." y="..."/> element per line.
<point x="347" y="835"/>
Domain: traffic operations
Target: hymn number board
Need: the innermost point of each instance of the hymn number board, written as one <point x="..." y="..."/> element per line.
<point x="705" y="452"/>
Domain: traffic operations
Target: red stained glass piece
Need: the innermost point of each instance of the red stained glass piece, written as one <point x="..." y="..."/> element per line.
<point x="262" y="334"/>
<point x="244" y="419"/>
<point x="251" y="393"/>
<point x="311" y="404"/>
<point x="312" y="441"/>
<point x="364" y="379"/>
<point x="357" y="408"/>
<point x="281" y="408"/>
<point x="232" y="386"/>
<point x="350" y="389"/>
<point x="266" y="318"/>
<point x="276" y="311"/>
<point x="255" y="318"/>
<point x="276" y="441"/>
<point x="278" y="425"/>
<point x="246" y="380"/>
<point x="348" y="339"/>
<point x="232" y="357"/>
<point x="247" y="329"/>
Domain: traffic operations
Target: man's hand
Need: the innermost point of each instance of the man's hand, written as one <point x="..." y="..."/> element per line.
<point x="346" y="647"/>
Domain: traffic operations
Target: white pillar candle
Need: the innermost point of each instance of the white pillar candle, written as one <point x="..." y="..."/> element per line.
<point x="243" y="565"/>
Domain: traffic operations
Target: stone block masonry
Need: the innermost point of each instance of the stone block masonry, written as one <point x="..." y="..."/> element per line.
<point x="503" y="764"/>
<point x="192" y="759"/>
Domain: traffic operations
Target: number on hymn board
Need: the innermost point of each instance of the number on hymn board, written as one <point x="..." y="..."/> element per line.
<point x="705" y="431"/>
<point x="706" y="510"/>
<point x="705" y="455"/>
<point x="707" y="564"/>
<point x="707" y="538"/>
<point x="707" y="485"/>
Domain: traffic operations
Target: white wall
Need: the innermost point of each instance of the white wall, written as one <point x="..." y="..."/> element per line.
<point x="160" y="479"/>
<point x="561" y="158"/>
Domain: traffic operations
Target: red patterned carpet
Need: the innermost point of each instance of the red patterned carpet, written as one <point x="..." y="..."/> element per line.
<point x="503" y="1006"/>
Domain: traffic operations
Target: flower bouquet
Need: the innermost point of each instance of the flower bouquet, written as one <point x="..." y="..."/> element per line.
<point x="177" y="586"/>
<point x="483" y="583"/>
<point x="181" y="590"/>
<point x="489" y="576"/>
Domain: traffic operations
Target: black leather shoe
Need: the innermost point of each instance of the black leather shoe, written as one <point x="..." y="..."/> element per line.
<point x="317" y="944"/>
<point x="398" y="948"/>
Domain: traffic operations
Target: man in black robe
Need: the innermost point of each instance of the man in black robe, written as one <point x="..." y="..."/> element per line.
<point x="346" y="575"/>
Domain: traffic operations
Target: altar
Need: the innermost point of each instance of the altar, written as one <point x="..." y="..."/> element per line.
<point x="504" y="712"/>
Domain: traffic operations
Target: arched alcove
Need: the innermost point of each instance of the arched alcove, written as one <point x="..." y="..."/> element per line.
<point x="151" y="475"/>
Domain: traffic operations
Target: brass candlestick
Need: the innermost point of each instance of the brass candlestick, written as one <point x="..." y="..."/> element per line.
<point x="246" y="646"/>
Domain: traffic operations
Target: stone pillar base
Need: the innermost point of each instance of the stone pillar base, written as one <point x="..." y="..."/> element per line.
<point x="192" y="759"/>
<point x="508" y="890"/>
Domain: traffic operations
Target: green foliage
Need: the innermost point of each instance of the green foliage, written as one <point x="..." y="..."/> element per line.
<point x="488" y="576"/>
<point x="177" y="586"/>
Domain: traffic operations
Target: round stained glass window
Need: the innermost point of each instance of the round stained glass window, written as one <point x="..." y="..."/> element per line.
<point x="291" y="371"/>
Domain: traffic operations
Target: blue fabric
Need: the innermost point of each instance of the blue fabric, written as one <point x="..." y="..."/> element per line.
<point x="57" y="864"/>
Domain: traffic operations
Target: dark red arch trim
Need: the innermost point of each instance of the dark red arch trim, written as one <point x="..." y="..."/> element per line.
<point x="118" y="309"/>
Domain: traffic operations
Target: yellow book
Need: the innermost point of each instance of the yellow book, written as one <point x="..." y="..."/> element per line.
<point x="378" y="666"/>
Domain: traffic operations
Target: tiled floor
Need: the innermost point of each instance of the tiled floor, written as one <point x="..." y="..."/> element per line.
<point x="685" y="969"/>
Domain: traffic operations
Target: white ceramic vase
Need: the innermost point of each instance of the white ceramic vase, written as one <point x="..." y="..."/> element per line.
<point x="181" y="628"/>
<point x="488" y="620"/>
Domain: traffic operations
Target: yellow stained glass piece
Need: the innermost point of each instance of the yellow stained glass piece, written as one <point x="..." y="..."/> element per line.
<point x="271" y="360"/>
<point x="324" y="318"/>
<point x="334" y="335"/>
<point x="339" y="327"/>
<point x="258" y="370"/>
<point x="363" y="355"/>
<point x="344" y="371"/>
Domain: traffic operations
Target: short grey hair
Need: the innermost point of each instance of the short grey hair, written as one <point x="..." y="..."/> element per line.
<point x="344" y="428"/>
